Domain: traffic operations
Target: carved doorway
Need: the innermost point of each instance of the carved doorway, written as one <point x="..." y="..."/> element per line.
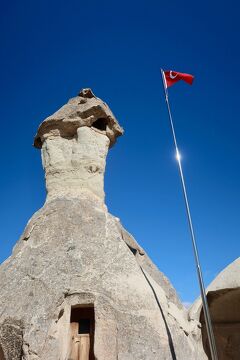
<point x="82" y="333"/>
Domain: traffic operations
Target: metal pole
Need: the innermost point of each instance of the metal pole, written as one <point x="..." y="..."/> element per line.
<point x="207" y="317"/>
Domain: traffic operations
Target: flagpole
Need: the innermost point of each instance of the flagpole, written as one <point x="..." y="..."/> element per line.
<point x="211" y="339"/>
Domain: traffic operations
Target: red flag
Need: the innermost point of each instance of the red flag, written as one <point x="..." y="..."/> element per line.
<point x="172" y="77"/>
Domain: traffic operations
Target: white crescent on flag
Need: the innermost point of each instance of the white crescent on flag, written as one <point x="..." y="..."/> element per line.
<point x="172" y="76"/>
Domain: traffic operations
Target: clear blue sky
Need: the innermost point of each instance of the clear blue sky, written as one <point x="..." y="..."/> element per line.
<point x="51" y="49"/>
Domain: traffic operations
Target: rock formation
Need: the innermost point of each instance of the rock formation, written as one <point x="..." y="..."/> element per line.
<point x="77" y="283"/>
<point x="224" y="305"/>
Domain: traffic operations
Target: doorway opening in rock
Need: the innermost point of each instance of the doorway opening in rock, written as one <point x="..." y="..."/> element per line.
<point x="82" y="332"/>
<point x="100" y="124"/>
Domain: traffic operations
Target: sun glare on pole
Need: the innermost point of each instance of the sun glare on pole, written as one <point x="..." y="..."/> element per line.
<point x="178" y="156"/>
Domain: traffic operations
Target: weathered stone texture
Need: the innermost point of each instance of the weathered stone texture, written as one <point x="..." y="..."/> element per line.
<point x="83" y="110"/>
<point x="74" y="165"/>
<point x="11" y="341"/>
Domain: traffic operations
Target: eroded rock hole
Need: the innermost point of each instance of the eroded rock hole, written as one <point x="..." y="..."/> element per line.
<point x="100" y="124"/>
<point x="82" y="329"/>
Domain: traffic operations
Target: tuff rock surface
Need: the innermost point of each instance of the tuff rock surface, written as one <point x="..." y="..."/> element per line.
<point x="73" y="253"/>
<point x="224" y="305"/>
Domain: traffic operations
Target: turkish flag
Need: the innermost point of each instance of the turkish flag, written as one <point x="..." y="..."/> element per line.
<point x="172" y="77"/>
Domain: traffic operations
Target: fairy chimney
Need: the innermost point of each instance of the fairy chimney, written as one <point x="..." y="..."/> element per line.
<point x="75" y="142"/>
<point x="78" y="285"/>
